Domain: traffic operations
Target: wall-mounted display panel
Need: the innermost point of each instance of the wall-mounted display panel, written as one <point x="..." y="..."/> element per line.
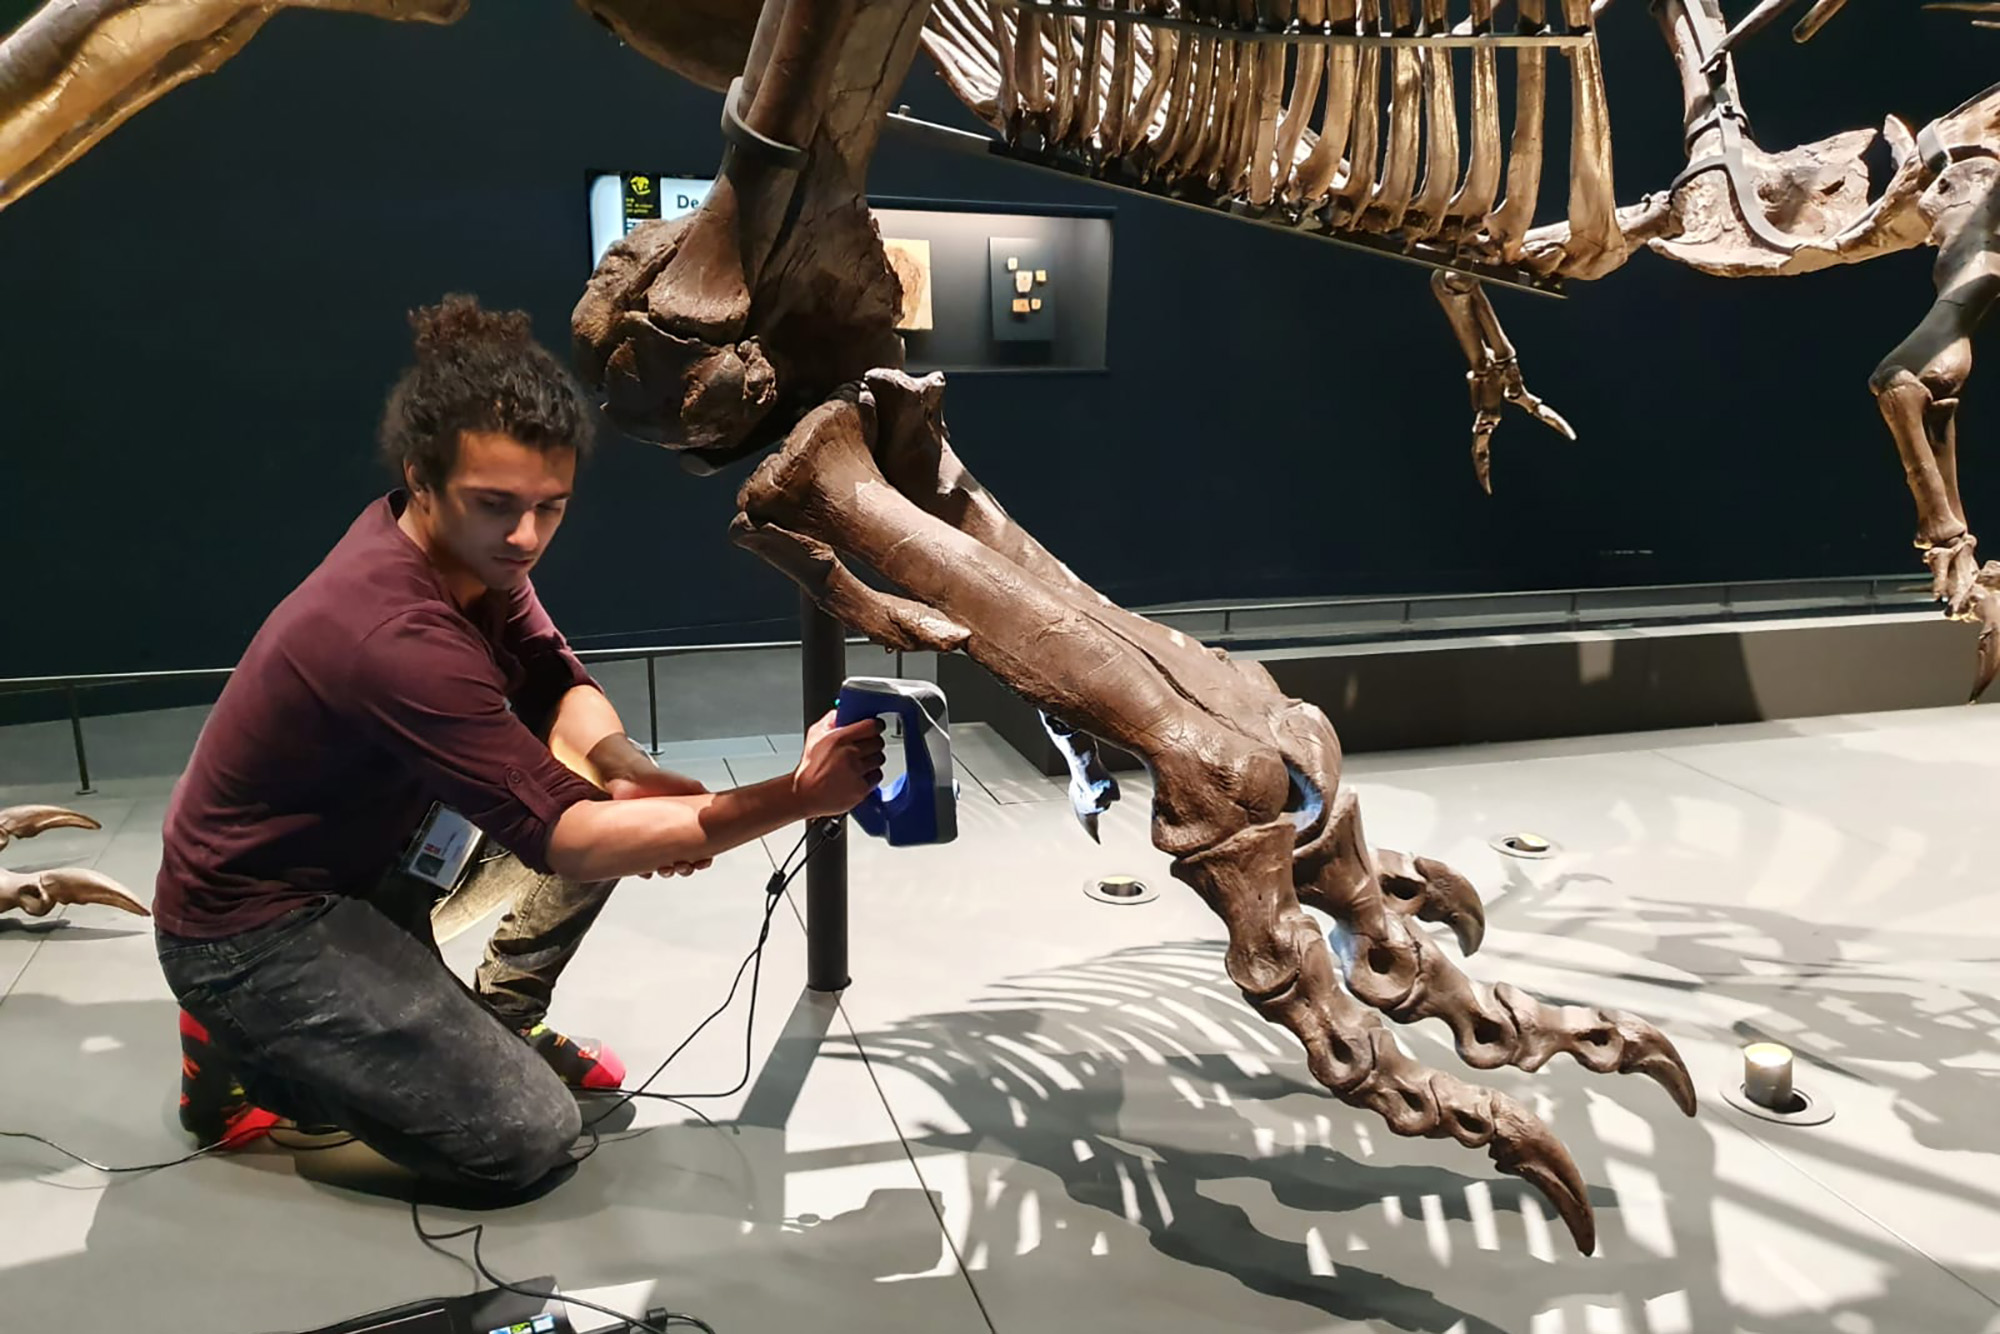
<point x="986" y="287"/>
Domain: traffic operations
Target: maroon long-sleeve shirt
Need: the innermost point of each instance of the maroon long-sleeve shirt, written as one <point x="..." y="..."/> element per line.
<point x="367" y="694"/>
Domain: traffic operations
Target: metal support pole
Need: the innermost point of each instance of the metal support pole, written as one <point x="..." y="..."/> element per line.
<point x="83" y="787"/>
<point x="652" y="706"/>
<point x="822" y="667"/>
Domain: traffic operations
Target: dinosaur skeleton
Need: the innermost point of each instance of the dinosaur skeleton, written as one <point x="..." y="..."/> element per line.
<point x="1988" y="11"/>
<point x="1340" y="117"/>
<point x="763" y="323"/>
<point x="40" y="893"/>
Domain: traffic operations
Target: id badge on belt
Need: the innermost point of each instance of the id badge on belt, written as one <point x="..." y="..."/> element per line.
<point x="444" y="847"/>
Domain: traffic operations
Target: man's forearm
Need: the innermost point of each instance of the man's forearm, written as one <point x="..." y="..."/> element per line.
<point x="603" y="840"/>
<point x="583" y="733"/>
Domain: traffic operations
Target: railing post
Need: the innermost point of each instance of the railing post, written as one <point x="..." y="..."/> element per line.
<point x="652" y="707"/>
<point x="83" y="787"/>
<point x="822" y="667"/>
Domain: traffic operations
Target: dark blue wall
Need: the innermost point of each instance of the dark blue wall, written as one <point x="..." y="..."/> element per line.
<point x="198" y="322"/>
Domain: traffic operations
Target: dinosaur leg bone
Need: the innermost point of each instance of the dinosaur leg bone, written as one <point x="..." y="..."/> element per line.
<point x="1246" y="780"/>
<point x="1917" y="387"/>
<point x="770" y="117"/>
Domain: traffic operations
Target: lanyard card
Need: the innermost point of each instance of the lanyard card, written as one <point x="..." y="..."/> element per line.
<point x="444" y="847"/>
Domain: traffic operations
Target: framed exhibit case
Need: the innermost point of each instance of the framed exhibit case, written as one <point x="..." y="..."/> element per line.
<point x="987" y="287"/>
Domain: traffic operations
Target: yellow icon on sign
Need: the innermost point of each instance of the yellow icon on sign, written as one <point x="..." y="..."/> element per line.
<point x="641" y="186"/>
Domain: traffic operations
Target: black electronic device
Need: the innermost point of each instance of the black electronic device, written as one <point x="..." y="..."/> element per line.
<point x="496" y="1311"/>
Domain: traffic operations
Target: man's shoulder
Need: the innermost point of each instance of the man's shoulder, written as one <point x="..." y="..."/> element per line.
<point x="367" y="581"/>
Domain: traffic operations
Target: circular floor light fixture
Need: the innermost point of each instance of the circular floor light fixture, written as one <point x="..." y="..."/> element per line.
<point x="1524" y="844"/>
<point x="1768" y="1092"/>
<point x="1119" y="889"/>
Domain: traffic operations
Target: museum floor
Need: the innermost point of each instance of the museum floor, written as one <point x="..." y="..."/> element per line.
<point x="1037" y="1112"/>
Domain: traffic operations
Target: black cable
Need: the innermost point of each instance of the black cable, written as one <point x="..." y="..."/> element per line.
<point x="774" y="890"/>
<point x="87" y="1162"/>
<point x="753" y="962"/>
<point x="202" y="1152"/>
<point x="478" y="1231"/>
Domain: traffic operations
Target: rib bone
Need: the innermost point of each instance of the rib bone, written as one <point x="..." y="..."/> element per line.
<point x="1316" y="174"/>
<point x="1406" y="112"/>
<point x="1063" y="33"/>
<point x="1265" y="165"/>
<point x="1482" y="176"/>
<point x="1441" y="141"/>
<point x="1593" y="206"/>
<point x="1508" y="225"/>
<point x="1352" y="193"/>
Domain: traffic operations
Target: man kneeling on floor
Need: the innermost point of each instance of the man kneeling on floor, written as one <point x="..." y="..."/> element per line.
<point x="414" y="665"/>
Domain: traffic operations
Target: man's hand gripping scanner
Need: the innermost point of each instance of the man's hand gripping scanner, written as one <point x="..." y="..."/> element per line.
<point x="919" y="805"/>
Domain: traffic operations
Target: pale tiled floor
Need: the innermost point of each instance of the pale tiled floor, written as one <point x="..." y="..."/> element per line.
<point x="1036" y="1112"/>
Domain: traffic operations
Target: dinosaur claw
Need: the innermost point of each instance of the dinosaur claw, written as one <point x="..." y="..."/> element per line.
<point x="1524" y="1147"/>
<point x="28" y="821"/>
<point x="1663" y="1065"/>
<point x="1562" y="1186"/>
<point x="39" y="895"/>
<point x="1433" y="892"/>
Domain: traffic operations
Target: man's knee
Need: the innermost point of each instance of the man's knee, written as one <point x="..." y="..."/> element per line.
<point x="529" y="1139"/>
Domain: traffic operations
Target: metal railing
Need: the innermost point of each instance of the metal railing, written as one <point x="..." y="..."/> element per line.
<point x="1367" y="619"/>
<point x="70" y="685"/>
<point x="1340" y="620"/>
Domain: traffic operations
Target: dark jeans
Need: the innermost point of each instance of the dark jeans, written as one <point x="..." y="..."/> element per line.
<point x="342" y="1012"/>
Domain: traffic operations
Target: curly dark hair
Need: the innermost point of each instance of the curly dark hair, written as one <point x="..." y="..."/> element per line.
<point x="478" y="370"/>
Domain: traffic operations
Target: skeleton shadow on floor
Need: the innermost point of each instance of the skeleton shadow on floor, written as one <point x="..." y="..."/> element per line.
<point x="1160" y="1107"/>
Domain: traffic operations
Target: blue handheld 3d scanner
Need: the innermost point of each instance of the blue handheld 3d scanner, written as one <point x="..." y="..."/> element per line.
<point x="919" y="805"/>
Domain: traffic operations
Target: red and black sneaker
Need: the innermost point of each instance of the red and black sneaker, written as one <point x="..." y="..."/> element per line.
<point x="581" y="1063"/>
<point x="214" y="1108"/>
